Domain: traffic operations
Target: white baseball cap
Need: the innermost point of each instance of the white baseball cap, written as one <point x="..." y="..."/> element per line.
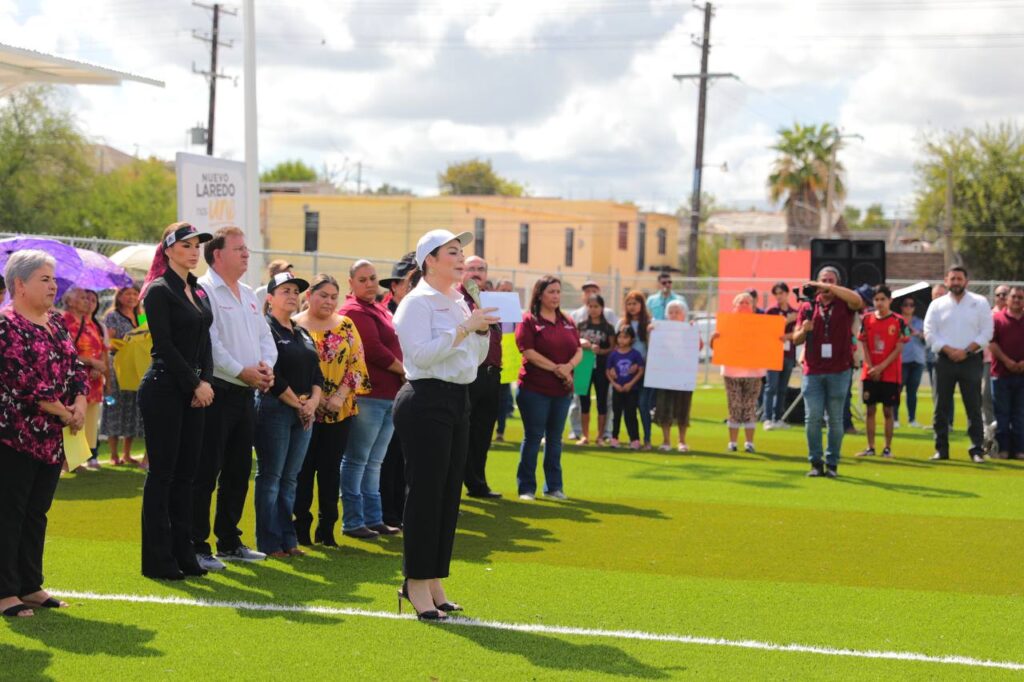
<point x="435" y="238"/>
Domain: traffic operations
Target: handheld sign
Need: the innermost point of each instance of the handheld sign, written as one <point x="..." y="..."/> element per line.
<point x="748" y="340"/>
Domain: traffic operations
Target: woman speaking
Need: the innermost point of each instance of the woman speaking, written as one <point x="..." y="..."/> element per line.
<point x="443" y="344"/>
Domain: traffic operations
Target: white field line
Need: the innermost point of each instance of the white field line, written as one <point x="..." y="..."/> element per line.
<point x="551" y="629"/>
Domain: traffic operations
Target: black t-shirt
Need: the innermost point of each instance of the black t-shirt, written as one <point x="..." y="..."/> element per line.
<point x="298" y="363"/>
<point x="600" y="335"/>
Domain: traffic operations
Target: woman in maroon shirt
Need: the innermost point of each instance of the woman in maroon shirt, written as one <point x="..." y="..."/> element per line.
<point x="550" y="344"/>
<point x="372" y="428"/>
<point x="42" y="390"/>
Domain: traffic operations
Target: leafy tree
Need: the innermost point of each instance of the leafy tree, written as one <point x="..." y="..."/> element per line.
<point x="389" y="190"/>
<point x="134" y="202"/>
<point x="476" y="177"/>
<point x="43" y="167"/>
<point x="800" y="173"/>
<point x="289" y="171"/>
<point x="708" y="245"/>
<point x="988" y="196"/>
<point x="873" y="218"/>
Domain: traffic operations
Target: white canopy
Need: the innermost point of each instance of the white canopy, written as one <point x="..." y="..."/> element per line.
<point x="19" y="67"/>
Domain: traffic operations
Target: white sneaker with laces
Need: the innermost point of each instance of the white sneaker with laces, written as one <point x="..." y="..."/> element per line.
<point x="556" y="495"/>
<point x="242" y="553"/>
<point x="749" y="447"/>
<point x="209" y="562"/>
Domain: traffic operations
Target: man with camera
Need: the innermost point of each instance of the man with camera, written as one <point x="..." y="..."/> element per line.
<point x="825" y="324"/>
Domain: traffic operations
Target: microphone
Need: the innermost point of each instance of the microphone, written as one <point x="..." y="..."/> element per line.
<point x="473" y="289"/>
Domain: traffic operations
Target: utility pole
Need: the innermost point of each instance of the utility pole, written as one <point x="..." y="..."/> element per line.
<point x="947" y="219"/>
<point x="212" y="74"/>
<point x="703" y="77"/>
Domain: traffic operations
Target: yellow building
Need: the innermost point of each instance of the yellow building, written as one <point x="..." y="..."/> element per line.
<point x="521" y="238"/>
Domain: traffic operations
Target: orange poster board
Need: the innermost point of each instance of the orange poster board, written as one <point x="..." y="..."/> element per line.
<point x="749" y="340"/>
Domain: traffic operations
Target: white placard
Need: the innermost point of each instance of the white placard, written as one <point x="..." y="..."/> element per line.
<point x="673" y="354"/>
<point x="211" y="192"/>
<point x="507" y="302"/>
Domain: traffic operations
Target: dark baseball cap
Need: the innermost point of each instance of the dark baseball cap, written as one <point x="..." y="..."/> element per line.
<point x="399" y="270"/>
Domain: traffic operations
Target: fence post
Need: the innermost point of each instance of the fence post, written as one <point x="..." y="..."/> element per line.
<point x="710" y="312"/>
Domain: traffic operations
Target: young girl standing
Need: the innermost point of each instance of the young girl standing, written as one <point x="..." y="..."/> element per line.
<point x="597" y="335"/>
<point x="625" y="369"/>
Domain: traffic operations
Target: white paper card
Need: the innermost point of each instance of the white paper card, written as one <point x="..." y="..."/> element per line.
<point x="673" y="352"/>
<point x="509" y="307"/>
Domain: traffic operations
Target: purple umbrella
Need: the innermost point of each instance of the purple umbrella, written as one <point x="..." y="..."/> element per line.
<point x="99" y="272"/>
<point x="69" y="263"/>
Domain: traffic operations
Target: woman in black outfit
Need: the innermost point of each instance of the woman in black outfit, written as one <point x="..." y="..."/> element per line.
<point x="172" y="396"/>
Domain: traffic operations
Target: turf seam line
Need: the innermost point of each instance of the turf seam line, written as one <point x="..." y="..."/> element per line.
<point x="552" y="629"/>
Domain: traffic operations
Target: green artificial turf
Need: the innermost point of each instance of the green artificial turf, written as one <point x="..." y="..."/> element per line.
<point x="902" y="555"/>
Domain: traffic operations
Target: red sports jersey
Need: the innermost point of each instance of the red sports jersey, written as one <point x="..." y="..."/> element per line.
<point x="882" y="336"/>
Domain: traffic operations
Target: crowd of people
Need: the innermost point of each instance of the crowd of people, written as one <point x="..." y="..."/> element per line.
<point x="389" y="396"/>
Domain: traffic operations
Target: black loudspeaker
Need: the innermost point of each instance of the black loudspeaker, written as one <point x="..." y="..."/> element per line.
<point x="859" y="262"/>
<point x="797" y="415"/>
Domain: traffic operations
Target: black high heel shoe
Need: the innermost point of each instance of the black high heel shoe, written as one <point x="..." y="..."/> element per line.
<point x="325" y="537"/>
<point x="403" y="593"/>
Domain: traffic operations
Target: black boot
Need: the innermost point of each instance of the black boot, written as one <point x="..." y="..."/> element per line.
<point x="325" y="534"/>
<point x="302" y="531"/>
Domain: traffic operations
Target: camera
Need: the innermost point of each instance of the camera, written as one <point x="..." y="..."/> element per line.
<point x="808" y="292"/>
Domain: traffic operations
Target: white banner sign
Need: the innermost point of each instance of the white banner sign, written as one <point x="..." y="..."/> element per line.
<point x="673" y="352"/>
<point x="211" y="192"/>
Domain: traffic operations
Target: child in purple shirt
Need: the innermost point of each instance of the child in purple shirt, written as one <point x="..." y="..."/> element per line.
<point x="625" y="368"/>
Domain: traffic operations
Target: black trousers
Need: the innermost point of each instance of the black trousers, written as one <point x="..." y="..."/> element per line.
<point x="27" y="486"/>
<point x="174" y="433"/>
<point x="627" y="403"/>
<point x="323" y="462"/>
<point x="432" y="419"/>
<point x="392" y="483"/>
<point x="483" y="413"/>
<point x="225" y="464"/>
<point x="967" y="375"/>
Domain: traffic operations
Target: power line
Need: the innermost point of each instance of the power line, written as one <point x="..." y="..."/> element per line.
<point x="212" y="76"/>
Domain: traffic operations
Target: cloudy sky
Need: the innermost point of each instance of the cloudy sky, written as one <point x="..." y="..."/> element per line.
<point x="573" y="97"/>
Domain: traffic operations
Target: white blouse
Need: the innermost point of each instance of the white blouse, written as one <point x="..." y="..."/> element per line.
<point x="426" y="322"/>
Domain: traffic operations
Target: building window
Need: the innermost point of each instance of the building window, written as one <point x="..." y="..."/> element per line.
<point x="641" y="246"/>
<point x="570" y="240"/>
<point x="623" y="236"/>
<point x="478" y="236"/>
<point x="662" y="241"/>
<point x="312" y="231"/>
<point x="524" y="242"/>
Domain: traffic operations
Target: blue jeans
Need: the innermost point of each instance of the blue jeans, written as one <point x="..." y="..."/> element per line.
<point x="1009" y="409"/>
<point x="912" y="373"/>
<point x="368" y="442"/>
<point x="646" y="404"/>
<point x="825" y="392"/>
<point x="543" y="417"/>
<point x="281" y="444"/>
<point x="775" y="390"/>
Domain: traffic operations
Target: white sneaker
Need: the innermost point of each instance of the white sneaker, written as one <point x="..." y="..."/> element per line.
<point x="527" y="497"/>
<point x="731" y="447"/>
<point x="781" y="425"/>
<point x="209" y="562"/>
<point x="556" y="495"/>
<point x="769" y="425"/>
<point x="242" y="553"/>
<point x="749" y="447"/>
<point x="916" y="425"/>
<point x="896" y="424"/>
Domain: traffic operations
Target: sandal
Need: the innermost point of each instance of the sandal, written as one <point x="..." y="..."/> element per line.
<point x="48" y="603"/>
<point x="18" y="609"/>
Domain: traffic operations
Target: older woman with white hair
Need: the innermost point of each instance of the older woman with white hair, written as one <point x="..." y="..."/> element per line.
<point x="742" y="386"/>
<point x="42" y="390"/>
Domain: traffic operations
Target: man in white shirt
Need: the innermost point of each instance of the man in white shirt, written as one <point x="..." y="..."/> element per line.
<point x="244" y="354"/>
<point x="957" y="327"/>
<point x="579" y="316"/>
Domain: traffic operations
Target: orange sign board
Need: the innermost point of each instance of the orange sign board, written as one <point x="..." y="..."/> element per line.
<point x="749" y="340"/>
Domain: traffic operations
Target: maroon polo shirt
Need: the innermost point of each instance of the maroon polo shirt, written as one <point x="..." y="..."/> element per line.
<point x="833" y="324"/>
<point x="493" y="358"/>
<point x="380" y="344"/>
<point x="557" y="341"/>
<point x="1008" y="332"/>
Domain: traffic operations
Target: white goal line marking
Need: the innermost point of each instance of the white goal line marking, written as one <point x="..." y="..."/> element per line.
<point x="551" y="629"/>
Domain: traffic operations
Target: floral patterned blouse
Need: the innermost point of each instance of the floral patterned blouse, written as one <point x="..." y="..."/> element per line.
<point x="37" y="364"/>
<point x="90" y="343"/>
<point x="343" y="364"/>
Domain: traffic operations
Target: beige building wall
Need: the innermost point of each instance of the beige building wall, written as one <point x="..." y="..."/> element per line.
<point x="605" y="234"/>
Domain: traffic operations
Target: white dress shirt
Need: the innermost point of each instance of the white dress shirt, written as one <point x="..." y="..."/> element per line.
<point x="426" y="322"/>
<point x="957" y="324"/>
<point x="240" y="335"/>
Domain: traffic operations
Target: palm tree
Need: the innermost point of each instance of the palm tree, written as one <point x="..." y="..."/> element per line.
<point x="800" y="175"/>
